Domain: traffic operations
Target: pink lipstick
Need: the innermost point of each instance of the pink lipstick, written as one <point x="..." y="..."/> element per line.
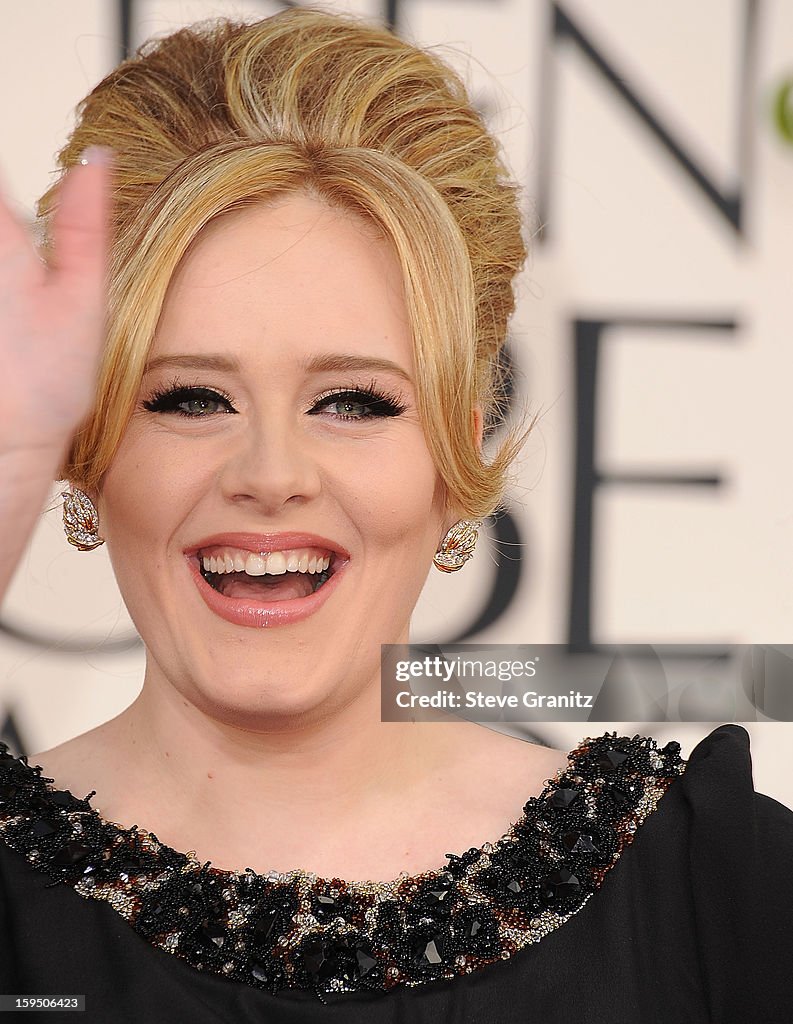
<point x="259" y="612"/>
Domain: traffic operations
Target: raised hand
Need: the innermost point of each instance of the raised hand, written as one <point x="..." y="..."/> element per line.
<point x="52" y="317"/>
<point x="51" y="331"/>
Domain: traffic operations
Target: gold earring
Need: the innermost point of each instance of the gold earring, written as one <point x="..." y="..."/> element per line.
<point x="457" y="546"/>
<point x="80" y="520"/>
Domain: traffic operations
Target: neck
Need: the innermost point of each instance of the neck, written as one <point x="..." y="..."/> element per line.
<point x="223" y="790"/>
<point x="330" y="761"/>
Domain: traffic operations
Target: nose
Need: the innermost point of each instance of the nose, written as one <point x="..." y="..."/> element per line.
<point x="270" y="465"/>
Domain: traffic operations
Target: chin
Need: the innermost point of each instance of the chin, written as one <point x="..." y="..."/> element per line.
<point x="269" y="705"/>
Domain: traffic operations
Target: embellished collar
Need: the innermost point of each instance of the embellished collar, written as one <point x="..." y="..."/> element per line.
<point x="295" y="930"/>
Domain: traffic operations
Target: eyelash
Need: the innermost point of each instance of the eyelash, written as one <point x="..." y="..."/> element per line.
<point x="381" y="403"/>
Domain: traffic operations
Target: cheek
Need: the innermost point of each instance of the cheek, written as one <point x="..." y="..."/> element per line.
<point x="145" y="494"/>
<point x="397" y="497"/>
<point x="392" y="494"/>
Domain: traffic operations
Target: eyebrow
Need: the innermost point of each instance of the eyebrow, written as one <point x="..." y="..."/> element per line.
<point x="333" y="362"/>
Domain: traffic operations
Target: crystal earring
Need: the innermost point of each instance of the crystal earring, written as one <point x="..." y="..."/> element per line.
<point x="457" y="546"/>
<point x="80" y="520"/>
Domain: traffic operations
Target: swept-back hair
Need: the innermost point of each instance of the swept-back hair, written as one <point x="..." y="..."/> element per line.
<point x="221" y="115"/>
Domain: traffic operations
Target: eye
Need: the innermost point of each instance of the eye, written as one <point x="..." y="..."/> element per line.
<point x="194" y="402"/>
<point x="356" y="404"/>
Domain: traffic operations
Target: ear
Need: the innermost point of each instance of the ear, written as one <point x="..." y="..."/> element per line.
<point x="477" y="430"/>
<point x="478" y="427"/>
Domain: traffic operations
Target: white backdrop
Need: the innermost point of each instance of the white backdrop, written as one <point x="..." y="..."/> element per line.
<point x="643" y="136"/>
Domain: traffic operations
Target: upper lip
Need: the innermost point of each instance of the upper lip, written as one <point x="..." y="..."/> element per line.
<point x="266" y="542"/>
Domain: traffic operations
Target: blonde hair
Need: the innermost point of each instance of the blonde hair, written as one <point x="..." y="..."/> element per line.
<point x="221" y="115"/>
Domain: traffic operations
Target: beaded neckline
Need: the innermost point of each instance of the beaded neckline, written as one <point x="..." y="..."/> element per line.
<point x="295" y="930"/>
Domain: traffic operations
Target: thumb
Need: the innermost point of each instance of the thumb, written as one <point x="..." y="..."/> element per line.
<point x="81" y="225"/>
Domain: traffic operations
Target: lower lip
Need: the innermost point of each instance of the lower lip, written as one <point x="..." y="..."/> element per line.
<point x="261" y="614"/>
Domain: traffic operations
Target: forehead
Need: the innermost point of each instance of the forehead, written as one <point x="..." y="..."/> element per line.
<point x="287" y="278"/>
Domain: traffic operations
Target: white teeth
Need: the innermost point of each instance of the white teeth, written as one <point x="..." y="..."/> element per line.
<point x="275" y="563"/>
<point x="255" y="565"/>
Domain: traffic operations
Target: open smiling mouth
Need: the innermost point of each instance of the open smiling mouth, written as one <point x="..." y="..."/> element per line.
<point x="277" y="576"/>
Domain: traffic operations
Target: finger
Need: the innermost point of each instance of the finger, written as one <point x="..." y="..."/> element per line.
<point x="14" y="237"/>
<point x="81" y="224"/>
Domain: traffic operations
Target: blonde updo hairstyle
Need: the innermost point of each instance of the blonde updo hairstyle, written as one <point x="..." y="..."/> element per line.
<point x="222" y="115"/>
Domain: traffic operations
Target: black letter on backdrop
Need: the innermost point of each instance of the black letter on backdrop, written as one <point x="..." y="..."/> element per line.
<point x="728" y="204"/>
<point x="587" y="339"/>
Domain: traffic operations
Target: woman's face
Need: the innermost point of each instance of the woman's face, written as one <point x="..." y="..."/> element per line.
<point x="278" y="415"/>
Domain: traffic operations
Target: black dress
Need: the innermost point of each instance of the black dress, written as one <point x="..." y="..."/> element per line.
<point x="638" y="888"/>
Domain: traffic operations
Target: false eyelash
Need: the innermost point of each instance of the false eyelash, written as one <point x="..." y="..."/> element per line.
<point x="390" y="400"/>
<point x="175" y="390"/>
<point x="386" y="403"/>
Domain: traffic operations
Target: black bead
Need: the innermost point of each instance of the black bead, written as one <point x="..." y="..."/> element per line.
<point x="435" y="901"/>
<point x="519" y="858"/>
<point x="7" y="793"/>
<point x="212" y="936"/>
<point x="264" y="925"/>
<point x="320" y="959"/>
<point x="577" y="842"/>
<point x="364" y="960"/>
<point x="216" y="906"/>
<point x="559" y="883"/>
<point x="429" y="953"/>
<point x="43" y="828"/>
<point x="259" y="972"/>
<point x="475" y="930"/>
<point x="564" y="798"/>
<point x="671" y="749"/>
<point x="61" y="797"/>
<point x="611" y="759"/>
<point x="154" y="918"/>
<point x="327" y="907"/>
<point x="71" y="853"/>
<point x="129" y="866"/>
<point x="458" y="863"/>
<point x="620" y="797"/>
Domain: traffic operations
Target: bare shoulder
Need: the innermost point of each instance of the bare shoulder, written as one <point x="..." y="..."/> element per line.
<point x="516" y="758"/>
<point x="501" y="771"/>
<point x="79" y="764"/>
